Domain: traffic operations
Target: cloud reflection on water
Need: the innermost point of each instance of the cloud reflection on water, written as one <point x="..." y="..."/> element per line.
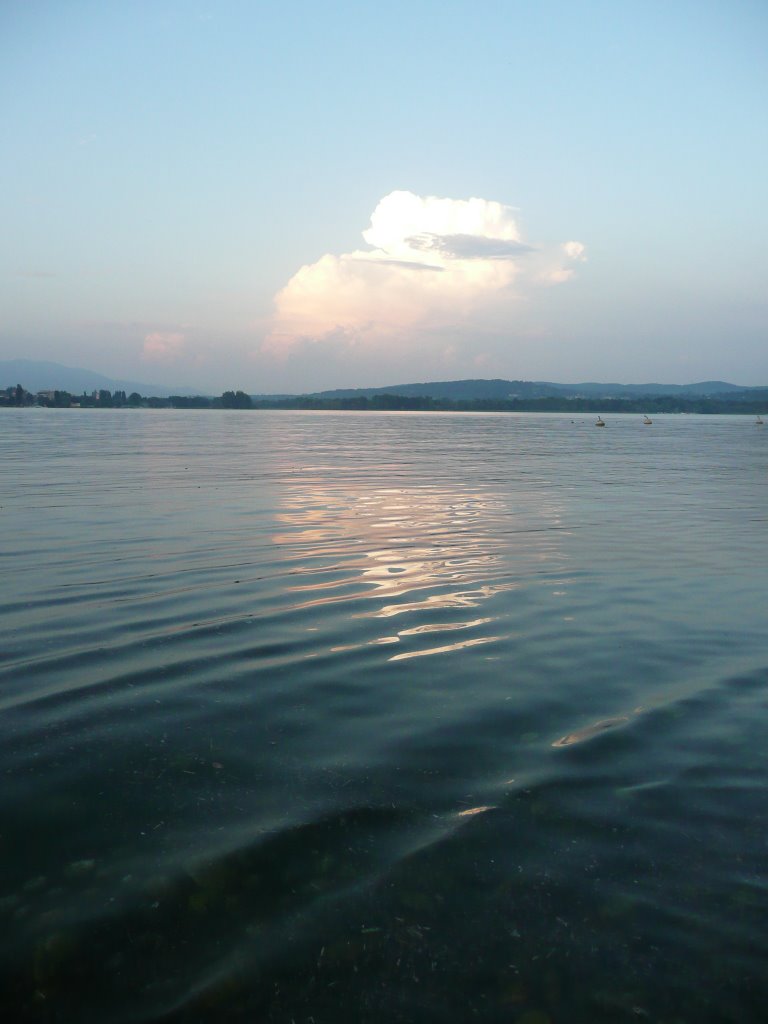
<point x="413" y="552"/>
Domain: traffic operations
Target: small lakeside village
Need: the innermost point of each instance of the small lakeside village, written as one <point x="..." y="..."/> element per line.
<point x="52" y="398"/>
<point x="752" y="403"/>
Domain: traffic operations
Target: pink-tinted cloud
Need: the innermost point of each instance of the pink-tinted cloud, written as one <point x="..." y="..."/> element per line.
<point x="432" y="265"/>
<point x="162" y="346"/>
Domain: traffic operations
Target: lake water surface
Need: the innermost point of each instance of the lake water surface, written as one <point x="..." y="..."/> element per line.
<point x="313" y="718"/>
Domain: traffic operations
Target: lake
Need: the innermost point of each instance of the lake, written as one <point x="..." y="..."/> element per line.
<point x="413" y="717"/>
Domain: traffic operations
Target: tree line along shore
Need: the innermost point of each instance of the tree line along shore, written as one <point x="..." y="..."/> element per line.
<point x="18" y="397"/>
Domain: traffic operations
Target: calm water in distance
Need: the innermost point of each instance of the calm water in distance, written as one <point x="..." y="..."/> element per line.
<point x="312" y="718"/>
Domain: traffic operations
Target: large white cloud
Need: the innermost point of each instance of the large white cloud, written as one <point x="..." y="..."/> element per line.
<point x="432" y="264"/>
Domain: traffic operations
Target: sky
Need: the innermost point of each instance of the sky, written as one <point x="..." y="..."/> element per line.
<point x="295" y="196"/>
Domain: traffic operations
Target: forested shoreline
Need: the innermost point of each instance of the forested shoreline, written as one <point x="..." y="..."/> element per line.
<point x="747" y="403"/>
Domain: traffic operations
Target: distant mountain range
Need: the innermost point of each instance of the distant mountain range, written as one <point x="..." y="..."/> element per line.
<point x="503" y="390"/>
<point x="37" y="375"/>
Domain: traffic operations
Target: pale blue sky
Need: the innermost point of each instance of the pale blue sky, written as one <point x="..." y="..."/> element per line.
<point x="170" y="166"/>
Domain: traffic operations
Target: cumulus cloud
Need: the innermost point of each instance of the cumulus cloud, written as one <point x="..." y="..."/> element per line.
<point x="431" y="264"/>
<point x="162" y="346"/>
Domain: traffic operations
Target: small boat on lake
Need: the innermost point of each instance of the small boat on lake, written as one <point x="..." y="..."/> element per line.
<point x="759" y="421"/>
<point x="600" y="422"/>
<point x="647" y="421"/>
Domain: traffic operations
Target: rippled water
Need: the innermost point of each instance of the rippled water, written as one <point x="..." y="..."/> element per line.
<point x="383" y="717"/>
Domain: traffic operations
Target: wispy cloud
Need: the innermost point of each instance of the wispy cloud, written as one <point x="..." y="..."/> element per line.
<point x="470" y="247"/>
<point x="373" y="299"/>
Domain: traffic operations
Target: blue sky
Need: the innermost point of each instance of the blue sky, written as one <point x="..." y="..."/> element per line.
<point x="277" y="196"/>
